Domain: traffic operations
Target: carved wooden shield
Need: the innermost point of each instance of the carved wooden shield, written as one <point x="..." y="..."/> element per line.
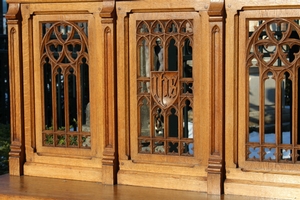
<point x="164" y="87"/>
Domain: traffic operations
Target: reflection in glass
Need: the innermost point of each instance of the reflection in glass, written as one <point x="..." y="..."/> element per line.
<point x="144" y="146"/>
<point x="173" y="147"/>
<point x="187" y="53"/>
<point x="187" y="120"/>
<point x="158" y="59"/>
<point x="144" y="59"/>
<point x="143" y="28"/>
<point x="286" y="108"/>
<point x="143" y="87"/>
<point x="85" y="95"/>
<point x="173" y="123"/>
<point x="254" y="152"/>
<point x="48" y="95"/>
<point x="157" y="28"/>
<point x="285" y="154"/>
<point x="270" y="154"/>
<point x="144" y="118"/>
<point x="72" y="100"/>
<point x="60" y="112"/>
<point x="172" y="28"/>
<point x="254" y="96"/>
<point x="172" y="56"/>
<point x="159" y="123"/>
<point x="269" y="108"/>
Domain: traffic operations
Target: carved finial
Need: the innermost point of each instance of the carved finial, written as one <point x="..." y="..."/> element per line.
<point x="13" y="11"/>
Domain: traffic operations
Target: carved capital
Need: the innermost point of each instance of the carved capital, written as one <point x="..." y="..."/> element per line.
<point x="108" y="9"/>
<point x="13" y="11"/>
<point x="216" y="8"/>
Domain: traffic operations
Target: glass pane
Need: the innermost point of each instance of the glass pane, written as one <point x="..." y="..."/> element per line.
<point x="72" y="100"/>
<point x="48" y="96"/>
<point x="172" y="56"/>
<point x="172" y="27"/>
<point x="159" y="147"/>
<point x="254" y="96"/>
<point x="286" y="154"/>
<point x="73" y="140"/>
<point x="187" y="52"/>
<point x="159" y="123"/>
<point x="187" y="120"/>
<point x="143" y="28"/>
<point x="254" y="153"/>
<point x="60" y="111"/>
<point x="173" y="147"/>
<point x="158" y="56"/>
<point x="144" y="59"/>
<point x="143" y="87"/>
<point x="157" y="27"/>
<point x="270" y="154"/>
<point x="173" y="123"/>
<point x="48" y="139"/>
<point x="85" y="95"/>
<point x="286" y="110"/>
<point x="270" y="109"/>
<point x="186" y="27"/>
<point x="144" y="146"/>
<point x="144" y="118"/>
<point x="61" y="140"/>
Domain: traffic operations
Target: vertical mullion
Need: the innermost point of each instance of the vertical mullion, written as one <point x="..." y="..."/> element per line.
<point x="79" y="96"/>
<point x="66" y="98"/>
<point x="261" y="111"/>
<point x="54" y="102"/>
<point x="295" y="113"/>
<point x="278" y="113"/>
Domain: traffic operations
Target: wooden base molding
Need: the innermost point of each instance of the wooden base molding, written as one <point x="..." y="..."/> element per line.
<point x="63" y="172"/>
<point x="262" y="189"/>
<point x="166" y="181"/>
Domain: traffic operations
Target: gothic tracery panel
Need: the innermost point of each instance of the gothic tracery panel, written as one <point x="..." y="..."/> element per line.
<point x="65" y="74"/>
<point x="165" y="87"/>
<point x="273" y="88"/>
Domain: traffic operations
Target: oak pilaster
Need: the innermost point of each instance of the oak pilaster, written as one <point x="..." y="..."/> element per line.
<point x="109" y="160"/>
<point x="16" y="155"/>
<point x="216" y="168"/>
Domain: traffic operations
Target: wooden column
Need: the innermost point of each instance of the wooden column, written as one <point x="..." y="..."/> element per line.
<point x="110" y="159"/>
<point x="216" y="168"/>
<point x="16" y="155"/>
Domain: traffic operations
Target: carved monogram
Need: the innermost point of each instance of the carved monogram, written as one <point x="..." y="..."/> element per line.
<point x="164" y="87"/>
